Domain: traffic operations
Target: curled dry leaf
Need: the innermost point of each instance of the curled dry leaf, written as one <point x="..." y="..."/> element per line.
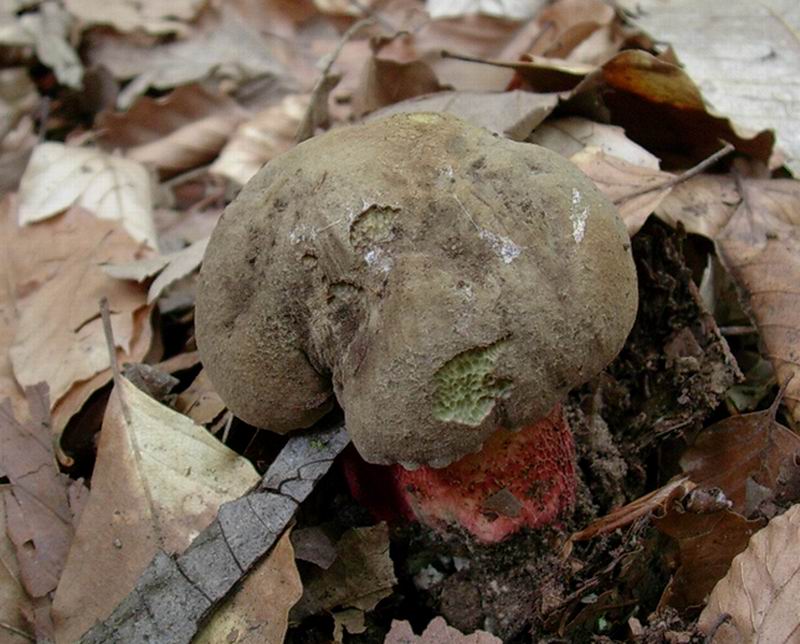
<point x="175" y="133"/>
<point x="385" y="82"/>
<point x="577" y="30"/>
<point x="731" y="49"/>
<point x="263" y="137"/>
<point x="437" y="632"/>
<point x="760" y="591"/>
<point x="59" y="337"/>
<point x="158" y="481"/>
<point x="573" y="134"/>
<point x="200" y="401"/>
<point x="703" y="205"/>
<point x="152" y="16"/>
<point x="636" y="190"/>
<point x="59" y="176"/>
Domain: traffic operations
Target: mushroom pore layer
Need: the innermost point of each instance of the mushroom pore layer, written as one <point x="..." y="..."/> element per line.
<point x="440" y="281"/>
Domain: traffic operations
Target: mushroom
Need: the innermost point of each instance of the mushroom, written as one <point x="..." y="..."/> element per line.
<point x="444" y="284"/>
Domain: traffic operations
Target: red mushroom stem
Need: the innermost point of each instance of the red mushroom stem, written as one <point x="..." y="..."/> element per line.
<point x="518" y="479"/>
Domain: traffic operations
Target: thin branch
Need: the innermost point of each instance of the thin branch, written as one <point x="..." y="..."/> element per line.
<point x="684" y="176"/>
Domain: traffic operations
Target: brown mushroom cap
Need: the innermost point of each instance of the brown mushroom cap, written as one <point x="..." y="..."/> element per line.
<point x="439" y="280"/>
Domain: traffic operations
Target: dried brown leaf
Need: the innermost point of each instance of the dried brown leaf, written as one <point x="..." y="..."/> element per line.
<point x="636" y="190"/>
<point x="703" y="205"/>
<point x="510" y="9"/>
<point x="385" y="82"/>
<point x="59" y="337"/>
<point x="749" y="447"/>
<point x="180" y="131"/>
<point x="437" y="632"/>
<point x="571" y="134"/>
<point x="361" y="575"/>
<point x="707" y="542"/>
<point x="38" y="515"/>
<point x="14" y="601"/>
<point x="577" y="30"/>
<point x="158" y="481"/>
<point x="200" y="401"/>
<point x="760" y="591"/>
<point x="261" y="138"/>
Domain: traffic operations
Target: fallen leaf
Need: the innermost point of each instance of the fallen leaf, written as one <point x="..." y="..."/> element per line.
<point x="47" y="31"/>
<point x="760" y="591"/>
<point x="636" y="190"/>
<point x="742" y="55"/>
<point x="345" y="7"/>
<point x="578" y="31"/>
<point x="200" y="401"/>
<point x="351" y="620"/>
<point x="60" y="176"/>
<point x="760" y="248"/>
<point x="749" y="447"/>
<point x="268" y="134"/>
<point x="38" y="515"/>
<point x="437" y="632"/>
<point x="175" y="133"/>
<point x="158" y="482"/>
<point x="512" y="114"/>
<point x="59" y="337"/>
<point x="152" y="16"/>
<point x="224" y="45"/>
<point x="361" y="575"/>
<point x="190" y="585"/>
<point x="169" y="268"/>
<point x="707" y="543"/>
<point x="14" y="601"/>
<point x="258" y="611"/>
<point x="571" y="134"/>
<point x="703" y="205"/>
<point x="385" y="82"/>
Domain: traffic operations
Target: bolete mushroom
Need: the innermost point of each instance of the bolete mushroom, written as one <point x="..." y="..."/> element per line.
<point x="443" y="283"/>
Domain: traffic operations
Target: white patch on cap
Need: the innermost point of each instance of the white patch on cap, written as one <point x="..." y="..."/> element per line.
<point x="578" y="214"/>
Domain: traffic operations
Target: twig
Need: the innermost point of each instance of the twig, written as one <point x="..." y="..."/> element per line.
<point x="684" y="176"/>
<point x="323" y="85"/>
<point x="108" y="331"/>
<point x="737" y="330"/>
<point x="17" y="632"/>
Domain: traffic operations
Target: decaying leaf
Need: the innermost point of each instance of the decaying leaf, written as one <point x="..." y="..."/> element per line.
<point x="746" y="448"/>
<point x="760" y="591"/>
<point x="742" y="55"/>
<point x="158" y="482"/>
<point x="572" y="134"/>
<point x="263" y="137"/>
<point x="512" y="9"/>
<point x="513" y="114"/>
<point x="258" y="611"/>
<point x="200" y="401"/>
<point x="180" y="131"/>
<point x="58" y="278"/>
<point x="385" y="82"/>
<point x="14" y="601"/>
<point x="59" y="176"/>
<point x="707" y="542"/>
<point x="437" y="632"/>
<point x="174" y="595"/>
<point x="38" y="516"/>
<point x="702" y="205"/>
<point x="636" y="190"/>
<point x="18" y="95"/>
<point x="223" y="46"/>
<point x="152" y="16"/>
<point x="361" y="575"/>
